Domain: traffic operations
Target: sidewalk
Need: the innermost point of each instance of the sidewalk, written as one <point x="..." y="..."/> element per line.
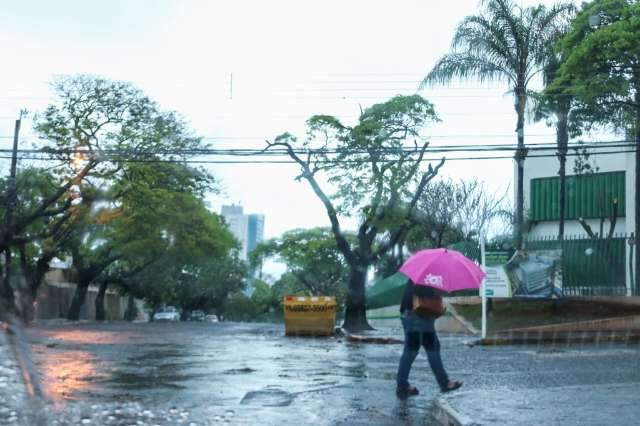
<point x="579" y="405"/>
<point x="621" y="329"/>
<point x="13" y="395"/>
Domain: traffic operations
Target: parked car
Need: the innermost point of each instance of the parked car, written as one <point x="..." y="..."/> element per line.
<point x="168" y="313"/>
<point x="211" y="318"/>
<point x="197" y="315"/>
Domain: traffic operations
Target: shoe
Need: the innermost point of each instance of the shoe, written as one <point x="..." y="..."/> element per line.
<point x="451" y="386"/>
<point x="404" y="393"/>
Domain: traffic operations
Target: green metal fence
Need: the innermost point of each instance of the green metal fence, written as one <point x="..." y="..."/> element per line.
<point x="590" y="267"/>
<point x="470" y="249"/>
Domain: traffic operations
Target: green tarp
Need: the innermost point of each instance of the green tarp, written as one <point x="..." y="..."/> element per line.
<point x="386" y="292"/>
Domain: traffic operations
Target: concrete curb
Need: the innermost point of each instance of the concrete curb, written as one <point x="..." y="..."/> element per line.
<point x="625" y="323"/>
<point x="446" y="415"/>
<point x="22" y="355"/>
<point x="540" y="337"/>
<point x="363" y="338"/>
<point x="452" y="310"/>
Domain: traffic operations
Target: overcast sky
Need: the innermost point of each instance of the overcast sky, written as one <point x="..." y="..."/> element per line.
<point x="289" y="60"/>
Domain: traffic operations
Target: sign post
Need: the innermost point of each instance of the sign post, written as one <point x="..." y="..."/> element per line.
<point x="483" y="291"/>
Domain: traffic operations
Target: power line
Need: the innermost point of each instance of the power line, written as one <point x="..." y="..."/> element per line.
<point x="593" y="145"/>
<point x="323" y="161"/>
<point x="448" y="136"/>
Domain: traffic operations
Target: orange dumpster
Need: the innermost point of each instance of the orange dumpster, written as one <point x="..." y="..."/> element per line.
<point x="309" y="316"/>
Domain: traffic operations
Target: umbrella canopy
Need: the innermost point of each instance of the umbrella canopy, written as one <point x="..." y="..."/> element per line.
<point x="443" y="269"/>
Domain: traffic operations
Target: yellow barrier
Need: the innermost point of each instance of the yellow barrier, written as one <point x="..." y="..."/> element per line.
<point x="309" y="316"/>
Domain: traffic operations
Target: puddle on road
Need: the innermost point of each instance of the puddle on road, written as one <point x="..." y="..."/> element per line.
<point x="245" y="370"/>
<point x="67" y="374"/>
<point x="269" y="397"/>
<point x="90" y="337"/>
<point x="161" y="354"/>
<point x="151" y="375"/>
<point x="142" y="380"/>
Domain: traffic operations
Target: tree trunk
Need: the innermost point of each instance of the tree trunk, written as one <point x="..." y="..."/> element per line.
<point x="28" y="299"/>
<point x="355" y="318"/>
<point x="520" y="157"/>
<point x="7" y="298"/>
<point x="78" y="300"/>
<point x="35" y="279"/>
<point x="131" y="313"/>
<point x="100" y="311"/>
<point x="562" y="135"/>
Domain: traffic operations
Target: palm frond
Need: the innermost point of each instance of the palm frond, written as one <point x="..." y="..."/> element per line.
<point x="549" y="25"/>
<point x="479" y="36"/>
<point x="505" y="14"/>
<point x="504" y="41"/>
<point x="462" y="65"/>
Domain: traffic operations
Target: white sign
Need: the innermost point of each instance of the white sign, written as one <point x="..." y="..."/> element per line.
<point x="496" y="283"/>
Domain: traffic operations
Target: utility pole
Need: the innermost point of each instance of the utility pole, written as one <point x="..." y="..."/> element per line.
<point x="6" y="290"/>
<point x="11" y="184"/>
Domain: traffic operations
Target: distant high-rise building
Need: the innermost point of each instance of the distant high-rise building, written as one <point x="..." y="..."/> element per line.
<point x="248" y="229"/>
<point x="255" y="231"/>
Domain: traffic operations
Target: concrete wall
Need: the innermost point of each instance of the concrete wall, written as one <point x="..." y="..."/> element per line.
<point x="56" y="293"/>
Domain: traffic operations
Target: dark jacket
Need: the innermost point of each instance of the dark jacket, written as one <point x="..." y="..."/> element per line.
<point x="410" y="289"/>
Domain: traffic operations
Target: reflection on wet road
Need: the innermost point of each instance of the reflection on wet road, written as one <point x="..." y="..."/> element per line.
<point x="66" y="374"/>
<point x="242" y="373"/>
<point x="214" y="370"/>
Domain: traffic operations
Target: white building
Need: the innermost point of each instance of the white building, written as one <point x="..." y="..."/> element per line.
<point x="588" y="196"/>
<point x="614" y="178"/>
<point x="248" y="229"/>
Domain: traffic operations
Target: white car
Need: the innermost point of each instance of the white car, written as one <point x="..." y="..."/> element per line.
<point x="211" y="318"/>
<point x="169" y="313"/>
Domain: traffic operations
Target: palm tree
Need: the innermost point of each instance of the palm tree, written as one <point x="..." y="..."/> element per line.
<point x="509" y="43"/>
<point x="549" y="105"/>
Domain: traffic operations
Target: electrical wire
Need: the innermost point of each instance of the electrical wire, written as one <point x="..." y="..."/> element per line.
<point x="320" y="161"/>
<point x="335" y="150"/>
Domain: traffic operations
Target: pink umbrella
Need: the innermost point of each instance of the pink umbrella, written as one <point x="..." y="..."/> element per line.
<point x="443" y="269"/>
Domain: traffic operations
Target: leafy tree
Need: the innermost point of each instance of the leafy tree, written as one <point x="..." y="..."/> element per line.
<point x="239" y="307"/>
<point x="508" y="43"/>
<point x="168" y="224"/>
<point x="93" y="245"/>
<point x="312" y="257"/>
<point x="101" y="126"/>
<point x="95" y="127"/>
<point x="40" y="240"/>
<point x="108" y="123"/>
<point x="154" y="212"/>
<point x="287" y="285"/>
<point x="454" y="211"/>
<point x="373" y="172"/>
<point x="207" y="285"/>
<point x="262" y="297"/>
<point x="602" y="69"/>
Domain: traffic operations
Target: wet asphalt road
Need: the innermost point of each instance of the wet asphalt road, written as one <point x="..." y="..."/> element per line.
<point x="203" y="373"/>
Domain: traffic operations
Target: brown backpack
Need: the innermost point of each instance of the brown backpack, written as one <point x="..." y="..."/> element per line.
<point x="428" y="307"/>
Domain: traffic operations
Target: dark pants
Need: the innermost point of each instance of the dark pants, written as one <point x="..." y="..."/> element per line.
<point x="412" y="342"/>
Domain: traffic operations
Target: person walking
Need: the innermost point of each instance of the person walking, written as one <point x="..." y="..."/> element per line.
<point x="419" y="330"/>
